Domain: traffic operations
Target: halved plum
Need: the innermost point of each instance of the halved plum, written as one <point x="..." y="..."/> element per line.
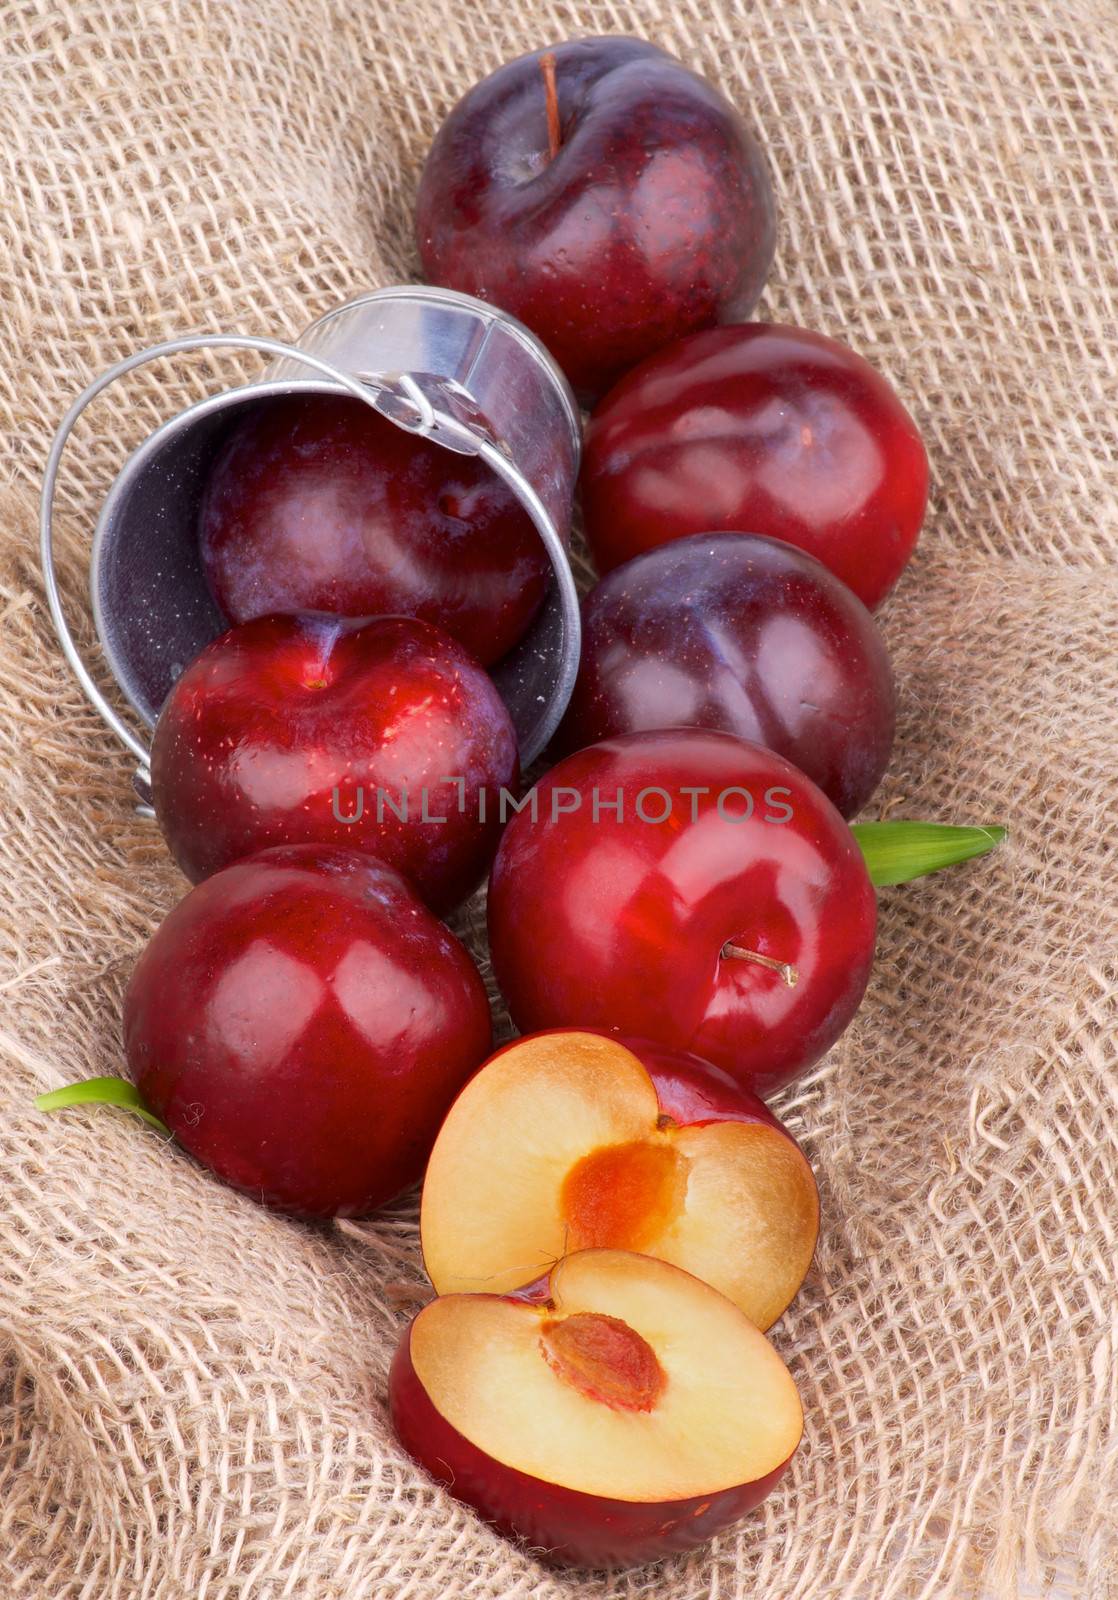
<point x="570" y="1140"/>
<point x="619" y="1411"/>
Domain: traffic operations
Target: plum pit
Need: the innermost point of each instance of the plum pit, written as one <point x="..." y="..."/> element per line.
<point x="604" y="1359"/>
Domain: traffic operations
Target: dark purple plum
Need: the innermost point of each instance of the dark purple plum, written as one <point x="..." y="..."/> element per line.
<point x="316" y="503"/>
<point x="746" y="634"/>
<point x="603" y="193"/>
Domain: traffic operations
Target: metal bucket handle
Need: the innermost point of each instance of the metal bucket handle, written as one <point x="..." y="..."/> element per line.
<point x="383" y="393"/>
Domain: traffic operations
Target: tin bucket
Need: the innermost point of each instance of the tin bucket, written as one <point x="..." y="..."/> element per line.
<point x="435" y="363"/>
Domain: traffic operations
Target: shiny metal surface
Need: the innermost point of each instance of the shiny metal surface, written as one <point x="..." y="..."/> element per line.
<point x="434" y="363"/>
<point x="472" y="347"/>
<point x="127" y="735"/>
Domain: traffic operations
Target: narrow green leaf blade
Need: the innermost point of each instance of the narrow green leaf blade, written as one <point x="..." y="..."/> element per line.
<point x="100" y="1092"/>
<point x="896" y="852"/>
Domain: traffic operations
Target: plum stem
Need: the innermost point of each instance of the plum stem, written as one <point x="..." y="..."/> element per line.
<point x="551" y="94"/>
<point x="734" y="952"/>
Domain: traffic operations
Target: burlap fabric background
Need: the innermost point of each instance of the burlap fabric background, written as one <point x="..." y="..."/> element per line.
<point x="191" y="1391"/>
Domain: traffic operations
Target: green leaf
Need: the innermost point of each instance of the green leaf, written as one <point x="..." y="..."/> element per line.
<point x="895" y="852"/>
<point x="100" y="1092"/>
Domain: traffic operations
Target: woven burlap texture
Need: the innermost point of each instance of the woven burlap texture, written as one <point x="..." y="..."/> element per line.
<point x="192" y="1391"/>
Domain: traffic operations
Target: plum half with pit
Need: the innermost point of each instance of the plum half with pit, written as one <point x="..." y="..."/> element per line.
<point x="618" y="1411"/>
